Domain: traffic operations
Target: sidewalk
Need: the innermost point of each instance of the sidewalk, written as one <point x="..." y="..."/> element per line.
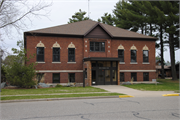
<point x="133" y="92"/>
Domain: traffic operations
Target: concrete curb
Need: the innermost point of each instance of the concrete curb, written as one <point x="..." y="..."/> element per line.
<point x="125" y="96"/>
<point x="52" y="99"/>
<point x="165" y="95"/>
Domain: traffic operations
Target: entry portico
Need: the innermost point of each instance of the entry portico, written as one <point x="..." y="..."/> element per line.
<point x="101" y="71"/>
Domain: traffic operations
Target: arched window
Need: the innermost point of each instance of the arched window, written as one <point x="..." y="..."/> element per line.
<point x="121" y="53"/>
<point x="145" y="54"/>
<point x="71" y="52"/>
<point x="40" y="52"/>
<point x="56" y="52"/>
<point x="133" y="54"/>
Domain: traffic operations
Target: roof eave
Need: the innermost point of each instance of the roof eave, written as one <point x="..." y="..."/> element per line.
<point x="52" y="34"/>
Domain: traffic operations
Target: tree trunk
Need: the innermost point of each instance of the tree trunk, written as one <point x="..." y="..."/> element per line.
<point x="142" y="30"/>
<point x="171" y="47"/>
<point x="162" y="53"/>
<point x="150" y="29"/>
<point x="145" y="29"/>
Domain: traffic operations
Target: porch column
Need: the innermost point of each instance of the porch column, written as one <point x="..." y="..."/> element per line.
<point x="118" y="68"/>
<point x="88" y="80"/>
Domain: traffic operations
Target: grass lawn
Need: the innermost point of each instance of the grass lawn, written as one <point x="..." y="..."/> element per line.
<point x="51" y="90"/>
<point x="58" y="96"/>
<point x="164" y="85"/>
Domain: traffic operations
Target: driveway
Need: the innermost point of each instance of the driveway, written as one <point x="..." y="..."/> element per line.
<point x="133" y="92"/>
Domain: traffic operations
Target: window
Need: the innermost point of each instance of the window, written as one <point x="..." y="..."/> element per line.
<point x="133" y="56"/>
<point x="71" y="77"/>
<point x="121" y="55"/>
<point x="56" y="54"/>
<point x="71" y="54"/>
<point x="145" y="56"/>
<point x="134" y="76"/>
<point x="85" y="72"/>
<point x="40" y="54"/>
<point x="122" y="77"/>
<point x="56" y="77"/>
<point x="145" y="76"/>
<point x="97" y="46"/>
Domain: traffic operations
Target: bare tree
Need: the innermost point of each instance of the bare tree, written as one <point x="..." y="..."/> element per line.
<point x="14" y="13"/>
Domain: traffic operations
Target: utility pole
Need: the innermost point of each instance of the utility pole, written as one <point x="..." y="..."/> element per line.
<point x="88" y="10"/>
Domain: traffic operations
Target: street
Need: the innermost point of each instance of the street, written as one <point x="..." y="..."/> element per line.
<point x="140" y="108"/>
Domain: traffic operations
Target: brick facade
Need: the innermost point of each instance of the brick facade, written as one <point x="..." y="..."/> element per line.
<point x="82" y="50"/>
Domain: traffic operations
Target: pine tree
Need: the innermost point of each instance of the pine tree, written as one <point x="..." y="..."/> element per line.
<point x="107" y="19"/>
<point x="171" y="10"/>
<point x="129" y="16"/>
<point x="78" y="16"/>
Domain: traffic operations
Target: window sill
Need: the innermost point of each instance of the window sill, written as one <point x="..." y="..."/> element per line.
<point x="40" y="62"/>
<point x="56" y="62"/>
<point x="121" y="62"/>
<point x="71" y="62"/>
<point x="133" y="63"/>
<point x="145" y="63"/>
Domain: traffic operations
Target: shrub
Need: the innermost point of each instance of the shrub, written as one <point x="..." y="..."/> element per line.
<point x="58" y="86"/>
<point x="18" y="73"/>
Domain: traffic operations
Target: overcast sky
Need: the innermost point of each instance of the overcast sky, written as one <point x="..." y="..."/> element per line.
<point x="61" y="11"/>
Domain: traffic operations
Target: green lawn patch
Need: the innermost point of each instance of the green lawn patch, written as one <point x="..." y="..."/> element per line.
<point x="164" y="85"/>
<point x="51" y="90"/>
<point x="58" y="96"/>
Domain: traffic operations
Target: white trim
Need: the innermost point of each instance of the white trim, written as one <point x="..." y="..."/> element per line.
<point x="145" y="63"/>
<point x="133" y="47"/>
<point x="56" y="62"/>
<point x="56" y="45"/>
<point x="145" y="48"/>
<point x="71" y="45"/>
<point x="71" y="62"/>
<point x="40" y="62"/>
<point x="133" y="63"/>
<point x="40" y="44"/>
<point x="120" y="47"/>
<point x="59" y="71"/>
<point x="137" y="70"/>
<point x="121" y="62"/>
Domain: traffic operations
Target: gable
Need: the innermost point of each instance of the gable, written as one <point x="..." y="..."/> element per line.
<point x="98" y="32"/>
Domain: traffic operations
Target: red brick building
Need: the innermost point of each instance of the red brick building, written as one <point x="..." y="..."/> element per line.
<point x="106" y="54"/>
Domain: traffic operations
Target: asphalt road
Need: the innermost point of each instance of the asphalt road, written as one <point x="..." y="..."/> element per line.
<point x="144" y="108"/>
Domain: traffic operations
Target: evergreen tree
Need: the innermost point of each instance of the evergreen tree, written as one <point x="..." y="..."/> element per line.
<point x="107" y="19"/>
<point x="78" y="16"/>
<point x="129" y="16"/>
<point x="171" y="15"/>
<point x="16" y="72"/>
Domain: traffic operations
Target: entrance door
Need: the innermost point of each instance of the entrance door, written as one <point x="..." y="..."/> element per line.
<point x="100" y="77"/>
<point x="108" y="77"/>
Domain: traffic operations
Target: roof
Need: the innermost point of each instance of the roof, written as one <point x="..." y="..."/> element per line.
<point x="165" y="67"/>
<point x="83" y="27"/>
